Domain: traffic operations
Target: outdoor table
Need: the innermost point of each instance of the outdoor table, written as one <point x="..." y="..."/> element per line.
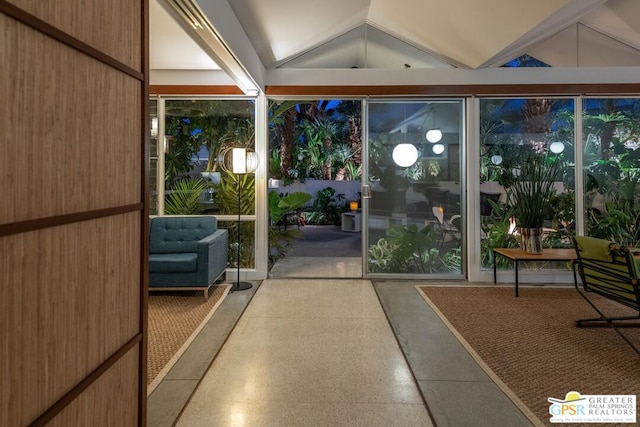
<point x="517" y="255"/>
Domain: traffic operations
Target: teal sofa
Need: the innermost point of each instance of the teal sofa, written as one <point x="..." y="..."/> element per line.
<point x="186" y="253"/>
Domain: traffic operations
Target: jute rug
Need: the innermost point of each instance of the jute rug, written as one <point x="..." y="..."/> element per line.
<point x="174" y="321"/>
<point x="531" y="345"/>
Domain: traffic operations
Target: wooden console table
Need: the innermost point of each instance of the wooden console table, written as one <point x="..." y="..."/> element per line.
<point x="517" y="255"/>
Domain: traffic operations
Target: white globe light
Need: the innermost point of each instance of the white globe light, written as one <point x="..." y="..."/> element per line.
<point x="405" y="155"/>
<point x="438" y="148"/>
<point x="496" y="159"/>
<point x="556" y="147"/>
<point x="434" y="135"/>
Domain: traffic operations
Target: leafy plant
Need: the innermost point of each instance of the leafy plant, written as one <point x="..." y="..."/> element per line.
<point x="498" y="234"/>
<point x="452" y="259"/>
<point x="407" y="249"/>
<point x="621" y="223"/>
<point x="532" y="191"/>
<point x="279" y="205"/>
<point x="184" y="197"/>
<point x="280" y="240"/>
<point x="326" y="208"/>
<point x="228" y="201"/>
<point x="228" y="194"/>
<point x="381" y="256"/>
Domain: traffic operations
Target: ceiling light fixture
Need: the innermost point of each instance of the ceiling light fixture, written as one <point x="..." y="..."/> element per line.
<point x="434" y="135"/>
<point x="405" y="155"/>
<point x="556" y="147"/>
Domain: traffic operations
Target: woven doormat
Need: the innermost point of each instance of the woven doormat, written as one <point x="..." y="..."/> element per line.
<point x="175" y="319"/>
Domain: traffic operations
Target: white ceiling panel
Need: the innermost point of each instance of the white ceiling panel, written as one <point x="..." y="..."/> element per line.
<point x="581" y="46"/>
<point x="420" y="33"/>
<point x="281" y="29"/>
<point x="170" y="48"/>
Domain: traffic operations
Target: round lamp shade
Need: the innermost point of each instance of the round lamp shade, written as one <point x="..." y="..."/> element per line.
<point x="238" y="160"/>
<point x="496" y="159"/>
<point x="405" y="155"/>
<point x="434" y="135"/>
<point x="556" y="147"/>
<point x="438" y="148"/>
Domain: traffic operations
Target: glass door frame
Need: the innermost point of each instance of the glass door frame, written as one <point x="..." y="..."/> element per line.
<point x="366" y="188"/>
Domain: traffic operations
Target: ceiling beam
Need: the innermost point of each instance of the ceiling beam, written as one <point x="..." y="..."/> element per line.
<point x="448" y="76"/>
<point x="215" y="27"/>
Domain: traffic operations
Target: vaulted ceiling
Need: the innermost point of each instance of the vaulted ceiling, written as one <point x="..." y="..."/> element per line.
<point x="465" y="34"/>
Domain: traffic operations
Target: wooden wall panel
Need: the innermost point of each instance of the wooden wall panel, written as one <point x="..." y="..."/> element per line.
<point x="69" y="298"/>
<point x="73" y="131"/>
<point x="73" y="215"/>
<point x="94" y="407"/>
<point x="112" y="26"/>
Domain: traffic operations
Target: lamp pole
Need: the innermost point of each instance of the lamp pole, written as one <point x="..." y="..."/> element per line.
<point x="239" y="286"/>
<point x="239" y="161"/>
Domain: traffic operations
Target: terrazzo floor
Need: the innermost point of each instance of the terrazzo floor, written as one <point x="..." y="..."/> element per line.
<point x="316" y="345"/>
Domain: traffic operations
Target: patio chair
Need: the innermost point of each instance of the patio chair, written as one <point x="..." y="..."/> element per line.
<point x="612" y="271"/>
<point x="447" y="228"/>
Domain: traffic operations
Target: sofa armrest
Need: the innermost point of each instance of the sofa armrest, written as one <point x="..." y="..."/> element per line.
<point x="212" y="255"/>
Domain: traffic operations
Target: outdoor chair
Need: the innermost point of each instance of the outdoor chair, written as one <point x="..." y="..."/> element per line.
<point x="450" y="228"/>
<point x="612" y="271"/>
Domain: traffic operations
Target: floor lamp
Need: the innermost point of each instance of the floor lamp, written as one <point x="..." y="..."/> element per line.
<point x="239" y="161"/>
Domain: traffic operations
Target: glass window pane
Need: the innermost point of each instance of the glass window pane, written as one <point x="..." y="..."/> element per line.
<point x="414" y="221"/>
<point x="314" y="169"/>
<point x="197" y="131"/>
<point x="611" y="138"/>
<point x="514" y="132"/>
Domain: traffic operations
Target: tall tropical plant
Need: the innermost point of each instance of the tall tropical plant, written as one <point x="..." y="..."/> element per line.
<point x="280" y="239"/>
<point x="228" y="194"/>
<point x="184" y="197"/>
<point x="532" y="190"/>
<point x="319" y="135"/>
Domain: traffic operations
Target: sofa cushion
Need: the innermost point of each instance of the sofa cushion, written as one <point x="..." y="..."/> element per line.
<point x="173" y="263"/>
<point x="169" y="234"/>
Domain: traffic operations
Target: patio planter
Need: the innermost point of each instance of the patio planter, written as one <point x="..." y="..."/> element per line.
<point x="531" y="240"/>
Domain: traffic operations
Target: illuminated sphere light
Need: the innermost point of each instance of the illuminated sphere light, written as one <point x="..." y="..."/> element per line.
<point x="238" y="160"/>
<point x="556" y="147"/>
<point x="405" y="155"/>
<point x="496" y="159"/>
<point x="438" y="148"/>
<point x="434" y="135"/>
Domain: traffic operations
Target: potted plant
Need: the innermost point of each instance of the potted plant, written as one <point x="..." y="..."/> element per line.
<point x="530" y="195"/>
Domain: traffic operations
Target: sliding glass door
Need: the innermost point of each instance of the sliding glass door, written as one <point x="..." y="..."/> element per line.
<point x="412" y="194"/>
